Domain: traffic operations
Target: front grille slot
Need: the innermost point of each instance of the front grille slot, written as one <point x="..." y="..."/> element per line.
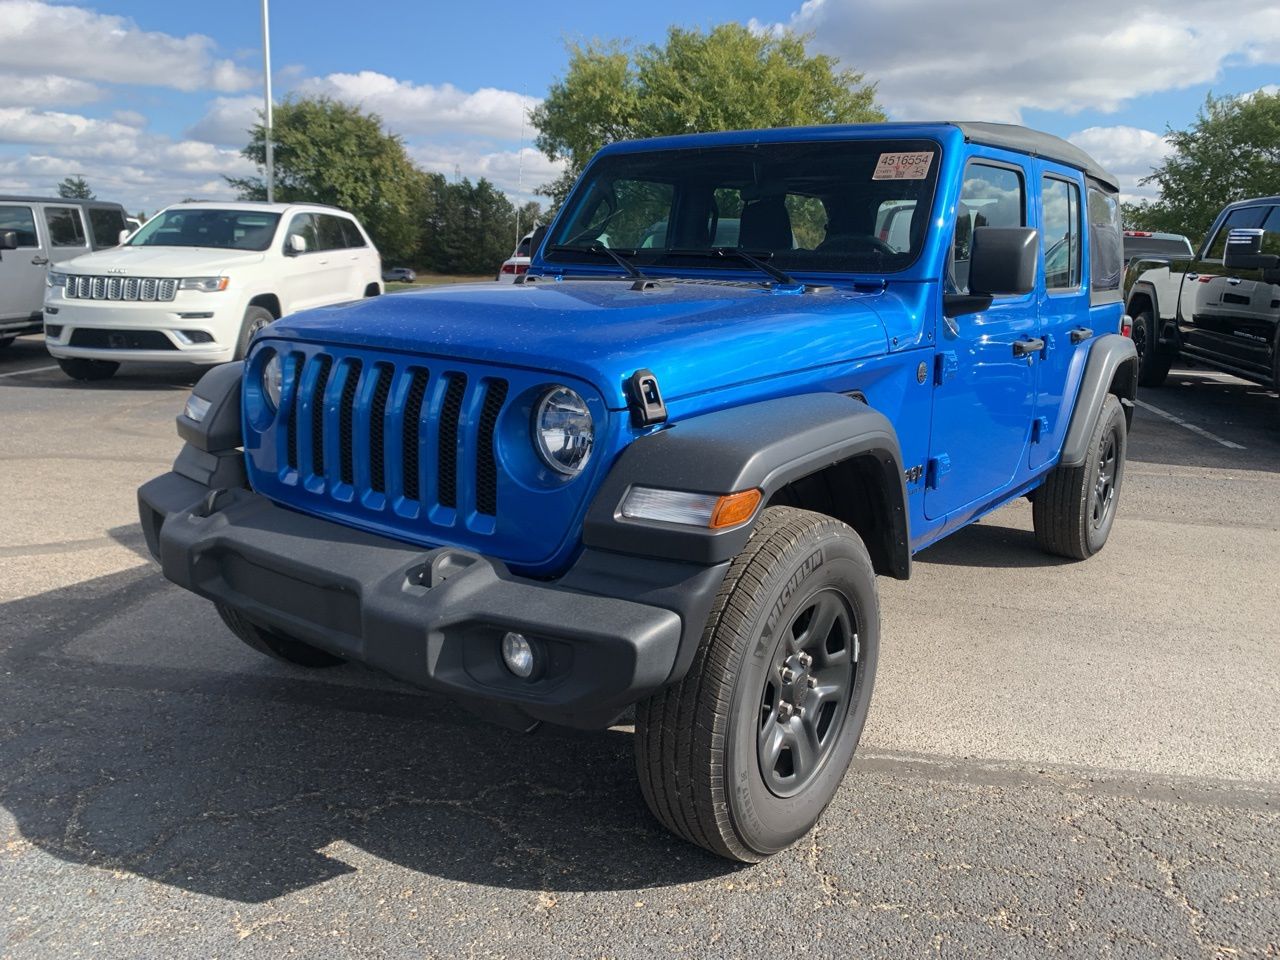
<point x="346" y="418"/>
<point x="447" y="450"/>
<point x="377" y="427"/>
<point x="495" y="395"/>
<point x="119" y="288"/>
<point x="295" y="385"/>
<point x="317" y="415"/>
<point x="410" y="432"/>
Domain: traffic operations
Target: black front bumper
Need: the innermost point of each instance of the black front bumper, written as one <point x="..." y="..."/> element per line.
<point x="610" y="631"/>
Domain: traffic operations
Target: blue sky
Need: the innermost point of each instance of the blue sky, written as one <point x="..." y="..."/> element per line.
<point x="149" y="99"/>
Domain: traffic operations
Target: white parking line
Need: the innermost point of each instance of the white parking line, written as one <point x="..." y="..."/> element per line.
<point x="1190" y="426"/>
<point x="18" y="373"/>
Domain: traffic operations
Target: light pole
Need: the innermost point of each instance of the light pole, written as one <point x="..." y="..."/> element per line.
<point x="266" y="83"/>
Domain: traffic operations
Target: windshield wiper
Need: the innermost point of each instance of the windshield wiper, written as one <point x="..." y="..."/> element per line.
<point x="725" y="253"/>
<point x="599" y="249"/>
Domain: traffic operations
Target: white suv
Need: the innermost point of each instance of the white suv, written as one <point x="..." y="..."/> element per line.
<point x="199" y="280"/>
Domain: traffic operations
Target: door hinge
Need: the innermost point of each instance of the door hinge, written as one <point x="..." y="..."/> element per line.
<point x="945" y="366"/>
<point x="939" y="467"/>
<point x="1039" y="427"/>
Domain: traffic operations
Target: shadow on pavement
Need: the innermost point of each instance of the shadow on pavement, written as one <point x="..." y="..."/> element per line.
<point x="989" y="545"/>
<point x="137" y="736"/>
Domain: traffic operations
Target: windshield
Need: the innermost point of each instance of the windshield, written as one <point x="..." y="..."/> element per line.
<point x="857" y="206"/>
<point x="226" y="229"/>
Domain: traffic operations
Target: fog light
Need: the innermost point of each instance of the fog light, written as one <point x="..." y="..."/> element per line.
<point x="517" y="654"/>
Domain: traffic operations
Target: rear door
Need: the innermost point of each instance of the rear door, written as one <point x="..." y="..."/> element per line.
<point x="984" y="396"/>
<point x="344" y="262"/>
<point x="68" y="237"/>
<point x="22" y="271"/>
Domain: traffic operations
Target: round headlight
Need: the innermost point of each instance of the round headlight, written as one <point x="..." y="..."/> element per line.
<point x="273" y="380"/>
<point x="563" y="430"/>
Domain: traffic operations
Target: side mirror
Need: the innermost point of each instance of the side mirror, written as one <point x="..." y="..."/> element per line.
<point x="539" y="234"/>
<point x="124" y="235"/>
<point x="1002" y="262"/>
<point x="8" y="239"/>
<point x="296" y="244"/>
<point x="1244" y="251"/>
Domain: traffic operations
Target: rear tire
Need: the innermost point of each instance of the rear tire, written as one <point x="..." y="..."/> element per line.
<point x="255" y="318"/>
<point x="79" y="368"/>
<point x="1153" y="366"/>
<point x="275" y="644"/>
<point x="743" y="755"/>
<point x="1075" y="507"/>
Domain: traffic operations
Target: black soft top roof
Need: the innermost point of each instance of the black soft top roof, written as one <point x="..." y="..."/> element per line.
<point x="1010" y="136"/>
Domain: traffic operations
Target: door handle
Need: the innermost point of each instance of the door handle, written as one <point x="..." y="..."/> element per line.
<point x="39" y="261"/>
<point x="1081" y="334"/>
<point x="1022" y="348"/>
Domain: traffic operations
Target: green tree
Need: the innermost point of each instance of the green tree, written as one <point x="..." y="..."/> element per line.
<point x="328" y="152"/>
<point x="75" y="188"/>
<point x="1231" y="152"/>
<point x="467" y="228"/>
<point x="727" y="79"/>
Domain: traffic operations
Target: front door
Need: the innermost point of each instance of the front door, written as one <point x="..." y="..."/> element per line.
<point x="22" y="271"/>
<point x="308" y="277"/>
<point x="984" y="394"/>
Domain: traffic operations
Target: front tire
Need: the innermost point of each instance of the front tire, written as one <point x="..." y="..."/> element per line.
<point x="255" y="318"/>
<point x="743" y="755"/>
<point x="1153" y="366"/>
<point x="79" y="368"/>
<point x="275" y="644"/>
<point x="1076" y="506"/>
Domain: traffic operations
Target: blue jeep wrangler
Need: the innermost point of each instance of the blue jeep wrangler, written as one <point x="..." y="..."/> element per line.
<point x="746" y="374"/>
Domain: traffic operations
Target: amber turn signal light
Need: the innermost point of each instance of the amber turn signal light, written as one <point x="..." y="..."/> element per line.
<point x="734" y="508"/>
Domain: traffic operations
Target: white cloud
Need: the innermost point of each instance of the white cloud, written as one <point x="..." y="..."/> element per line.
<point x="23" y="125"/>
<point x="75" y="42"/>
<point x="517" y="173"/>
<point x="227" y="121"/>
<point x="1128" y="152"/>
<point x="45" y="90"/>
<point x="992" y="59"/>
<point x="410" y="108"/>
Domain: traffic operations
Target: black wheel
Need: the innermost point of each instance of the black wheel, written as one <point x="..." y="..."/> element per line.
<point x="744" y="754"/>
<point x="1075" y="506"/>
<point x="78" y="368"/>
<point x="275" y="644"/>
<point x="1153" y="366"/>
<point x="6" y="342"/>
<point x="255" y="318"/>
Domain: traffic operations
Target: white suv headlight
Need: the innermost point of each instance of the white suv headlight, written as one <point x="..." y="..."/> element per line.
<point x="563" y="430"/>
<point x="55" y="279"/>
<point x="204" y="284"/>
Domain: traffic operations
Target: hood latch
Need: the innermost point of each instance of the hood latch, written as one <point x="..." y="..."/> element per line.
<point x="644" y="398"/>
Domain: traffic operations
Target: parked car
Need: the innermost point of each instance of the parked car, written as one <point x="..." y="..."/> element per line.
<point x="46" y="230"/>
<point x="399" y="275"/>
<point x="1221" y="307"/>
<point x="199" y="280"/>
<point x="1145" y="243"/>
<point x="517" y="264"/>
<point x="669" y="476"/>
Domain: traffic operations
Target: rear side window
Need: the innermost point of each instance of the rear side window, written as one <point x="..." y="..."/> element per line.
<point x="22" y="222"/>
<point x="106" y="224"/>
<point x="990" y="197"/>
<point x="66" y="229"/>
<point x="352" y="233"/>
<point x="1061" y="234"/>
<point x="1271" y="241"/>
<point x="330" y="232"/>
<point x="1244" y="217"/>
<point x="1107" y="250"/>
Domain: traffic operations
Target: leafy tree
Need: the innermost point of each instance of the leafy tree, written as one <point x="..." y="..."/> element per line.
<point x="725" y="79"/>
<point x="329" y="152"/>
<point x="75" y="188"/>
<point x="1231" y="152"/>
<point x="467" y="228"/>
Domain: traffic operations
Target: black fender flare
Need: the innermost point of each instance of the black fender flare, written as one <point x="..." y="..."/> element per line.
<point x="219" y="429"/>
<point x="764" y="445"/>
<point x="1112" y="367"/>
<point x="1147" y="289"/>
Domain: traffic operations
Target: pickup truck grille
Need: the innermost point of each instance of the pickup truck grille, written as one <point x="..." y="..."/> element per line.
<point x="119" y="288"/>
<point x="341" y="413"/>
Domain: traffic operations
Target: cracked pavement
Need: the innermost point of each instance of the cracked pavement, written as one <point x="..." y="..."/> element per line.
<point x="1068" y="759"/>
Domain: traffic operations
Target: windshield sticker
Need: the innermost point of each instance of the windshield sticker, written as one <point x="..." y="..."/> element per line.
<point x="903" y="166"/>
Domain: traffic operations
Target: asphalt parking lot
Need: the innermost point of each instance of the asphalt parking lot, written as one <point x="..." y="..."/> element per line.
<point x="1078" y="759"/>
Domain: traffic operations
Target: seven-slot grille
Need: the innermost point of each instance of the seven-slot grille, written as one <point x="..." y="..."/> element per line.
<point x="120" y="288"/>
<point x="394" y="436"/>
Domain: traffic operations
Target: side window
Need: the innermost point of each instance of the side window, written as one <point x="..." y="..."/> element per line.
<point x="1106" y="242"/>
<point x="1244" y="217"/>
<point x="1061" y="234"/>
<point x="330" y="232"/>
<point x="1271" y="241"/>
<point x="303" y="225"/>
<point x="66" y="229"/>
<point x="990" y="197"/>
<point x="21" y="221"/>
<point x="352" y="233"/>
<point x="106" y="224"/>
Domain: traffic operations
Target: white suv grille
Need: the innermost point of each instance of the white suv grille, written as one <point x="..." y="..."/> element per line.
<point x="119" y="288"/>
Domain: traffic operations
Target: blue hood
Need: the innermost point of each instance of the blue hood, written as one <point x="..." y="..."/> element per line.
<point x="695" y="336"/>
